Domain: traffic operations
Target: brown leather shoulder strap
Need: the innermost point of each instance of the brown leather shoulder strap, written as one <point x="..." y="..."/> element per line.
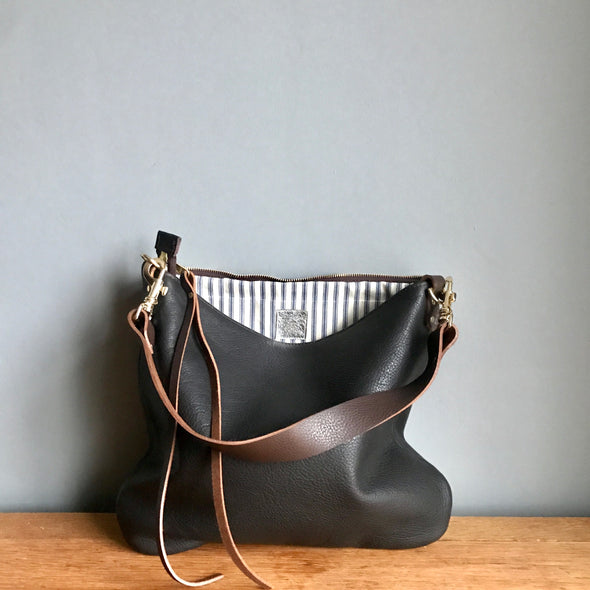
<point x="319" y="432"/>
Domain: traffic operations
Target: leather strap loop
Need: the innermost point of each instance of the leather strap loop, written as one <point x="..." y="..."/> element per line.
<point x="161" y="541"/>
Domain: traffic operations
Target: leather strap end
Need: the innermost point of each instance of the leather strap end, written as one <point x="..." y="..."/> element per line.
<point x="170" y="244"/>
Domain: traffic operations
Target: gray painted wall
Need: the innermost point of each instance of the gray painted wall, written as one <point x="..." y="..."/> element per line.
<point x="297" y="138"/>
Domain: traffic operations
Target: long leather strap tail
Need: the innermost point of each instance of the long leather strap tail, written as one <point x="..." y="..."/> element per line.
<point x="163" y="492"/>
<point x="161" y="540"/>
<point x="216" y="455"/>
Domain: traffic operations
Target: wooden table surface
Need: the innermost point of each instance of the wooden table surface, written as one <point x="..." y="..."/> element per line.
<point x="84" y="551"/>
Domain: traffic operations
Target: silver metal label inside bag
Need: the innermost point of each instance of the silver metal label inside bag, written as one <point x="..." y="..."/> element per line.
<point x="291" y="324"/>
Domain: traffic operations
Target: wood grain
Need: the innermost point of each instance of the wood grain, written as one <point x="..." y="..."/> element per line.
<point x="63" y="551"/>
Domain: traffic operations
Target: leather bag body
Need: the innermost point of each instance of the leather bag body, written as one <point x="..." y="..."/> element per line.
<point x="373" y="491"/>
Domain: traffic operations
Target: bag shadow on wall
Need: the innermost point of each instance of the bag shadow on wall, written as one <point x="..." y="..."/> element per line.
<point x="115" y="434"/>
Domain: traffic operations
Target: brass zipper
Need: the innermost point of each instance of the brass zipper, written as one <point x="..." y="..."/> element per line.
<point x="159" y="265"/>
<point x="332" y="277"/>
<point x="443" y="301"/>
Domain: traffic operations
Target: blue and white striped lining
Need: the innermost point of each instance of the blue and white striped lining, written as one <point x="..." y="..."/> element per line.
<point x="331" y="306"/>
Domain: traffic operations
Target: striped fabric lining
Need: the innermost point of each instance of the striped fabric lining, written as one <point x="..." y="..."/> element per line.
<point x="330" y="306"/>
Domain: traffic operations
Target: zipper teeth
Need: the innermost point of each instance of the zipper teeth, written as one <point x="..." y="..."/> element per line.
<point x="333" y="277"/>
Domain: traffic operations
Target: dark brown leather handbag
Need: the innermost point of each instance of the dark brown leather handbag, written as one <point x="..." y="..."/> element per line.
<point x="276" y="410"/>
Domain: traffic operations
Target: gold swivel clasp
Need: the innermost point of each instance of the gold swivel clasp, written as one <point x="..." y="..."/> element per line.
<point x="445" y="302"/>
<point x="154" y="273"/>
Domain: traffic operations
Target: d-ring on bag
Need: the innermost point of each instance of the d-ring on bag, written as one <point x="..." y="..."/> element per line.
<point x="276" y="410"/>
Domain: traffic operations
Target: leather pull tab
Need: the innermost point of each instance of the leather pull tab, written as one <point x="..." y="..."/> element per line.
<point x="170" y="244"/>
